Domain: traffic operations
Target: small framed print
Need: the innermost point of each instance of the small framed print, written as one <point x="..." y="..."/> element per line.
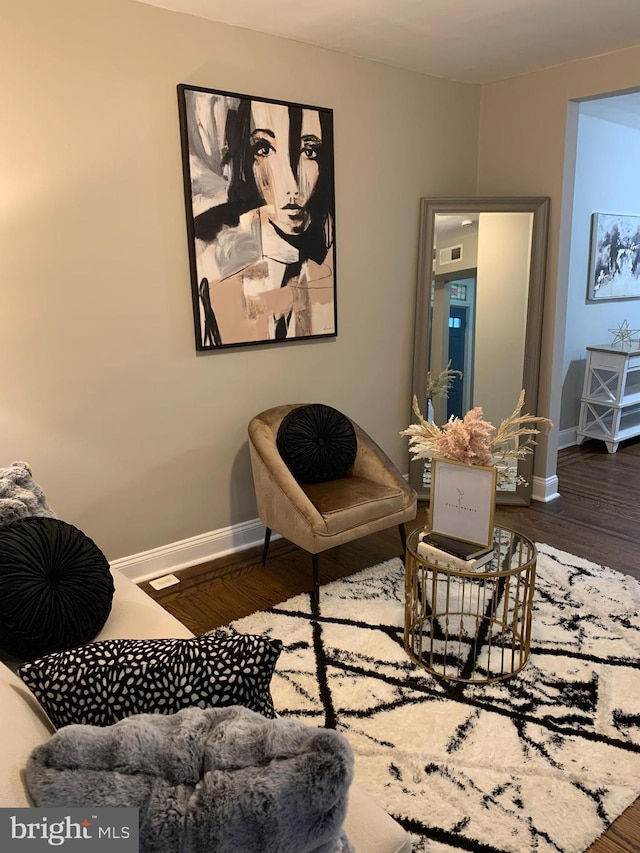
<point x="463" y="500"/>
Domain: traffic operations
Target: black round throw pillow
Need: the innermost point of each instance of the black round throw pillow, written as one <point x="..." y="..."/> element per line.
<point x="56" y="587"/>
<point x="317" y="443"/>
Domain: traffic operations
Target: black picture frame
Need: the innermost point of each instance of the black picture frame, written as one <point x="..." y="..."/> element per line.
<point x="260" y="207"/>
<point x="614" y="258"/>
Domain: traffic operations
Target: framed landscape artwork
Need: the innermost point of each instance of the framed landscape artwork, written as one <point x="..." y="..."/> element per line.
<point x="614" y="268"/>
<point x="259" y="194"/>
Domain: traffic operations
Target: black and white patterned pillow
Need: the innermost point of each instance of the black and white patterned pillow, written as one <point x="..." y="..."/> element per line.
<point x="101" y="683"/>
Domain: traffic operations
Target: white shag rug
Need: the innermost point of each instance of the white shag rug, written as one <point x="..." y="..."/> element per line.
<point x="543" y="762"/>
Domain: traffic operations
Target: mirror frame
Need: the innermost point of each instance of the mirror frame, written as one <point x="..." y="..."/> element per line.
<point x="429" y="207"/>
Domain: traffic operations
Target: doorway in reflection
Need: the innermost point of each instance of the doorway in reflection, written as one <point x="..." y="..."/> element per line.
<point x="456" y="306"/>
<point x="458" y="325"/>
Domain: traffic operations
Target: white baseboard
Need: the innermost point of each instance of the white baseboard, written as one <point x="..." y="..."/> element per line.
<point x="170" y="558"/>
<point x="567" y="438"/>
<point x="189" y="552"/>
<point x="544" y="490"/>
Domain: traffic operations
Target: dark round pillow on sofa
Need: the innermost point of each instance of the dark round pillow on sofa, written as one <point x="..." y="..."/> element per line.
<point x="56" y="587"/>
<point x="317" y="443"/>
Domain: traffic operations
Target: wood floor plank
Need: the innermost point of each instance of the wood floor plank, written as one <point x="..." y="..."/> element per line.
<point x="597" y="516"/>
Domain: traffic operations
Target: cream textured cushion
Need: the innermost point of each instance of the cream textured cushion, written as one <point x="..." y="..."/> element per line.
<point x="23" y="726"/>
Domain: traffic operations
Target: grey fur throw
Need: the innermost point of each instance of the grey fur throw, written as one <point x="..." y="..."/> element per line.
<point x="221" y="780"/>
<point x="20" y="496"/>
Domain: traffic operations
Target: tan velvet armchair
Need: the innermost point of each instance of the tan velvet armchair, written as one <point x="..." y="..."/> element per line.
<point x="318" y="516"/>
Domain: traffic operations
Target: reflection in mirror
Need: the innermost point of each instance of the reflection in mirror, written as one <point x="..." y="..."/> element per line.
<point x="479" y="309"/>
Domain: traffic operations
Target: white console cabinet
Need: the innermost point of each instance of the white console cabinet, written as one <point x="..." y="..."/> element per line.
<point x="610" y="403"/>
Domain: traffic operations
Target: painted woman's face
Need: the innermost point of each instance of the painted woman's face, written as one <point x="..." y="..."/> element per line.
<point x="285" y="185"/>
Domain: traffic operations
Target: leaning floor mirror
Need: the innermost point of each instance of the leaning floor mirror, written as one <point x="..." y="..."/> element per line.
<point x="481" y="273"/>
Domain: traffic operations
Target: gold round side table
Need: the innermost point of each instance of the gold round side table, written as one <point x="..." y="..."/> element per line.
<point x="471" y="626"/>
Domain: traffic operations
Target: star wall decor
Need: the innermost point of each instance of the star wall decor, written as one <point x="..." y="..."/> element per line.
<point x="623" y="335"/>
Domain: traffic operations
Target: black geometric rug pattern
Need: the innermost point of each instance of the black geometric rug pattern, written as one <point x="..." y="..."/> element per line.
<point x="540" y="763"/>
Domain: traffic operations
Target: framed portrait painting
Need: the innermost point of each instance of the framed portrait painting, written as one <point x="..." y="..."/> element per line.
<point x="614" y="267"/>
<point x="259" y="194"/>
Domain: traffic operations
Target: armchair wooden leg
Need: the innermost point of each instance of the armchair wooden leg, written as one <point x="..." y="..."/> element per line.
<point x="316" y="578"/>
<point x="267" y="539"/>
<point x="403" y="537"/>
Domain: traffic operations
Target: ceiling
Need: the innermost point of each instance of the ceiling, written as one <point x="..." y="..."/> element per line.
<point x="472" y="41"/>
<point x="620" y="109"/>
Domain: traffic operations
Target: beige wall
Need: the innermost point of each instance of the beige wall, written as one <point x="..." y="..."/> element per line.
<point x="504" y="250"/>
<point x="523" y="127"/>
<point x="135" y="438"/>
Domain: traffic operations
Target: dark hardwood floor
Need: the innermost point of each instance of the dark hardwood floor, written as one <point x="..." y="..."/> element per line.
<point x="597" y="516"/>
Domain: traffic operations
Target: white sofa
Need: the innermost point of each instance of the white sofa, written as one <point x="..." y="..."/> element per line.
<point x="23" y="724"/>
